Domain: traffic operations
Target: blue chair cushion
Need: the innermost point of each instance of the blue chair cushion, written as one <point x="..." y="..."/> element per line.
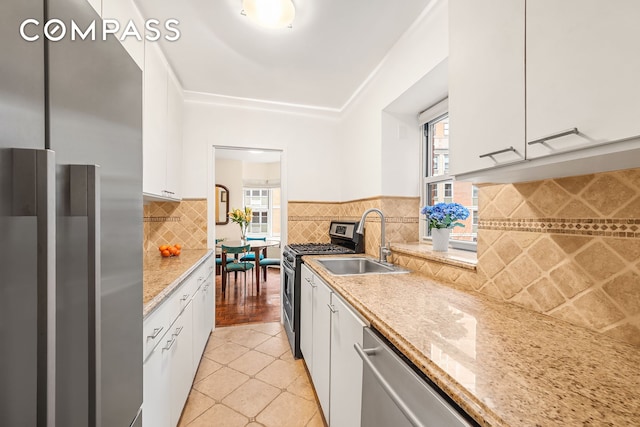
<point x="240" y="266"/>
<point x="219" y="260"/>
<point x="270" y="261"/>
<point x="251" y="257"/>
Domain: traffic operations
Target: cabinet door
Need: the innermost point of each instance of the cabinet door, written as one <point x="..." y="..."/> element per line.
<point x="306" y="316"/>
<point x="346" y="365"/>
<point x="199" y="331"/>
<point x="154" y="124"/>
<point x="486" y="83"/>
<point x="156" y="385"/>
<point x="321" y="344"/>
<point x="210" y="303"/>
<point x="181" y="362"/>
<point x="174" y="139"/>
<point x="582" y="71"/>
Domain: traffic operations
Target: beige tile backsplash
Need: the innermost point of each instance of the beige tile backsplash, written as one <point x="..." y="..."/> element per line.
<point x="568" y="248"/>
<point x="182" y="222"/>
<point x="310" y="221"/>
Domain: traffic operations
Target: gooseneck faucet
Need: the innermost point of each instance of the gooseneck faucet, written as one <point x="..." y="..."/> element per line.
<point x="384" y="251"/>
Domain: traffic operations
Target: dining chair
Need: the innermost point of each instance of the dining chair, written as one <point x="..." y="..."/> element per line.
<point x="235" y="265"/>
<point x="266" y="262"/>
<point x="251" y="256"/>
<point x="219" y="259"/>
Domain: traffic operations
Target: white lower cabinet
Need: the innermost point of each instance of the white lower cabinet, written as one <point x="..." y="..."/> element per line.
<point x="346" y="365"/>
<point x="156" y="373"/>
<point x="178" y="331"/>
<point x="329" y="329"/>
<point x="321" y="338"/>
<point x="306" y="317"/>
<point x="181" y="362"/>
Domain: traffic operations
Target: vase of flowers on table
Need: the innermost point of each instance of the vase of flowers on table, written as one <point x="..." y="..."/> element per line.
<point x="441" y="219"/>
<point x="242" y="217"/>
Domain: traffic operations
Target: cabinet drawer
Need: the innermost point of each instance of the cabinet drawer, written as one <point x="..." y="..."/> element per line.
<point x="157" y="324"/>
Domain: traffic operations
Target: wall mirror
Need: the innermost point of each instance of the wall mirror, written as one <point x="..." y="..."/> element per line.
<point x="222" y="205"/>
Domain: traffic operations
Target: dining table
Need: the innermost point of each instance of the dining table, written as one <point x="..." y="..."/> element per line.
<point x="257" y="247"/>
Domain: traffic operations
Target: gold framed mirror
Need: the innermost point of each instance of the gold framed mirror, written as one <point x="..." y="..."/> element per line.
<point x="222" y="205"/>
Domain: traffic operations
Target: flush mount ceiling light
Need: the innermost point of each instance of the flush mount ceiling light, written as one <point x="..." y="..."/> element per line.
<point x="270" y="13"/>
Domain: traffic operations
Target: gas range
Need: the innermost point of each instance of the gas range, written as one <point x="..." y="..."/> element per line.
<point x="318" y="249"/>
<point x="344" y="240"/>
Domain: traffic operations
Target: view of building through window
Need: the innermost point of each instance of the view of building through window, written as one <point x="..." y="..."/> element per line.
<point x="265" y="204"/>
<point x="447" y="190"/>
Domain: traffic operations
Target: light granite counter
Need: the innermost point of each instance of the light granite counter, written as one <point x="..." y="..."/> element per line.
<point x="162" y="275"/>
<point x="504" y="365"/>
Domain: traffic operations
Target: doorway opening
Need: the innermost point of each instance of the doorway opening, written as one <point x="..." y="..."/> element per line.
<point x="247" y="178"/>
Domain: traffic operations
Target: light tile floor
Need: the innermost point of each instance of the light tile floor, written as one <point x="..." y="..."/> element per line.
<point x="248" y="377"/>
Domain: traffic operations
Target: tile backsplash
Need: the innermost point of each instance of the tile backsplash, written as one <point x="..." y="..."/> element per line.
<point x="568" y="248"/>
<point x="183" y="222"/>
<point x="310" y="221"/>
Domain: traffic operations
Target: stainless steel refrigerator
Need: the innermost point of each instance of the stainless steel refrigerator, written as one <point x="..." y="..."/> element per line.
<point x="70" y="224"/>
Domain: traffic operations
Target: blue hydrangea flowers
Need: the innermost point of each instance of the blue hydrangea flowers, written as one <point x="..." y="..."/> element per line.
<point x="445" y="215"/>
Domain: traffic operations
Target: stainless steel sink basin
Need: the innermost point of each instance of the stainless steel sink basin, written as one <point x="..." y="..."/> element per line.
<point x="351" y="266"/>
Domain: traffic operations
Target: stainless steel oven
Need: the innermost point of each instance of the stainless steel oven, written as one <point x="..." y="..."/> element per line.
<point x="344" y="240"/>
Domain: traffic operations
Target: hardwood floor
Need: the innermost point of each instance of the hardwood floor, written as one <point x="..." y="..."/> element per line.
<point x="236" y="307"/>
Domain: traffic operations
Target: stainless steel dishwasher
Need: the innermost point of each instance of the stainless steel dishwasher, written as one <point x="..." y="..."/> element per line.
<point x="394" y="395"/>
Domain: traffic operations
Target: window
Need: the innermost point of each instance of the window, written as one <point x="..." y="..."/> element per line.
<point x="265" y="204"/>
<point x="440" y="187"/>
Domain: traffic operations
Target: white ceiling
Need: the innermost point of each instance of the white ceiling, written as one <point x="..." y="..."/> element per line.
<point x="333" y="47"/>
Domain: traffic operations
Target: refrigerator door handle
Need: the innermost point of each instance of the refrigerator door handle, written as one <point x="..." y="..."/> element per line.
<point x="85" y="201"/>
<point x="33" y="195"/>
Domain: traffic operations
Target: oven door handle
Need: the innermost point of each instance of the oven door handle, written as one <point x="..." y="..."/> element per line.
<point x="287" y="269"/>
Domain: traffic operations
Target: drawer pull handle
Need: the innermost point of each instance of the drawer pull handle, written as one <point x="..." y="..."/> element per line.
<point x="184" y="297"/>
<point x="178" y="330"/>
<point x="572" y="131"/>
<point x="169" y="344"/>
<point x="156" y="332"/>
<point x="332" y="308"/>
<point x="493" y="153"/>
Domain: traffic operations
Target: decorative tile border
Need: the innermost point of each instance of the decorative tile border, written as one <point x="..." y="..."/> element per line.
<point x="609" y="227"/>
<point x="161" y="219"/>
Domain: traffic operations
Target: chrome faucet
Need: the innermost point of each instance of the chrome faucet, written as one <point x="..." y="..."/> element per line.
<point x="384" y="251"/>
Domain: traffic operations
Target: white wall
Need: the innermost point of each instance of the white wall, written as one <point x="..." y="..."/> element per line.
<point x="309" y="142"/>
<point x="362" y="152"/>
<point x="229" y="174"/>
<point x="384" y="169"/>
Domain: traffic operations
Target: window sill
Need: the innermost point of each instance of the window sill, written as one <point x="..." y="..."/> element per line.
<point x="455" y="257"/>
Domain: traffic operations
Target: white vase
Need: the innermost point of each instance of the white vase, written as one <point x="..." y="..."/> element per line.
<point x="440" y="239"/>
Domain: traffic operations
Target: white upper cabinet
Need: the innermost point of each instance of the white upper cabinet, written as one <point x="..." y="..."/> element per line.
<point x="175" y="107"/>
<point x="486" y="83"/>
<point x="154" y="123"/>
<point x="583" y="65"/>
<point x="556" y="86"/>
<point x="162" y="128"/>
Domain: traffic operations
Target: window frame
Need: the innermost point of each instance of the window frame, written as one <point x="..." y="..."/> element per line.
<point x="427" y="159"/>
<point x="269" y="210"/>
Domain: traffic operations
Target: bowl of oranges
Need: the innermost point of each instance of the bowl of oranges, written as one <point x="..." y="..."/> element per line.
<point x="170" y="250"/>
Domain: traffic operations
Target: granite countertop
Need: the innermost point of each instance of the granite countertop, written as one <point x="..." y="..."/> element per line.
<point x="161" y="275"/>
<point x="504" y="365"/>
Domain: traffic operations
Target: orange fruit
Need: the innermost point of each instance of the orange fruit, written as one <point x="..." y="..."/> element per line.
<point x="166" y="253"/>
<point x="178" y="246"/>
<point x="163" y="248"/>
<point x="177" y="252"/>
<point x="172" y="250"/>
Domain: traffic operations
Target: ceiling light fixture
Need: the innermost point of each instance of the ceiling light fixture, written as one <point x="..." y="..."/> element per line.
<point x="270" y="13"/>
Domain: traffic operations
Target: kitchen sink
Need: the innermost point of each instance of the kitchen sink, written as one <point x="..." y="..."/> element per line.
<point x="352" y="266"/>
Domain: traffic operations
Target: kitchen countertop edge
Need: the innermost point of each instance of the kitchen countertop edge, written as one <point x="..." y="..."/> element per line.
<point x="155" y="302"/>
